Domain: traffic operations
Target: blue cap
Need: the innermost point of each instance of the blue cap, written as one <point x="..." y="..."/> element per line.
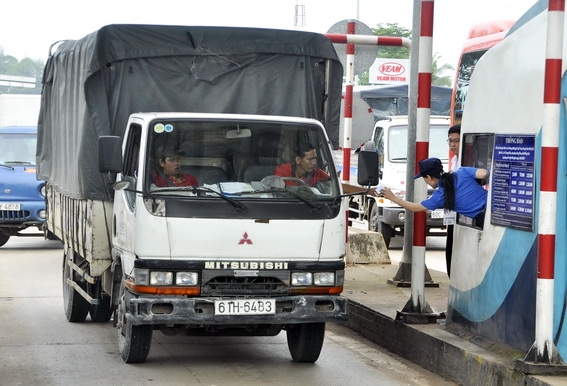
<point x="429" y="167"/>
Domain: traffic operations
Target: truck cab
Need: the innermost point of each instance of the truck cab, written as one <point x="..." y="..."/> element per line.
<point x="390" y="137"/>
<point x="22" y="195"/>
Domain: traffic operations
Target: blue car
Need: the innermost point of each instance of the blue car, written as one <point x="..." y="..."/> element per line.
<point x="22" y="195"/>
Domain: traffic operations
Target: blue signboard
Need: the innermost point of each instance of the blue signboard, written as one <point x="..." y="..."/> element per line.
<point x="513" y="186"/>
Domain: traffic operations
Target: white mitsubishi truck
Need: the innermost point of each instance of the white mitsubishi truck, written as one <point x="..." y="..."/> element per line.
<point x="238" y="250"/>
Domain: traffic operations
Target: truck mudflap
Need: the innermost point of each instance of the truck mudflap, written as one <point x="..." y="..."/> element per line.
<point x="201" y="311"/>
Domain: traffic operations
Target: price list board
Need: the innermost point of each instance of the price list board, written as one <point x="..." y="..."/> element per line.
<point x="513" y="186"/>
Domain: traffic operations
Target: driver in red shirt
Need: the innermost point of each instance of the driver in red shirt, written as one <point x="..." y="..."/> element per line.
<point x="171" y="174"/>
<point x="305" y="167"/>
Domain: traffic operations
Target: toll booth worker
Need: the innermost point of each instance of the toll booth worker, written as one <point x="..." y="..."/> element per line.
<point x="458" y="191"/>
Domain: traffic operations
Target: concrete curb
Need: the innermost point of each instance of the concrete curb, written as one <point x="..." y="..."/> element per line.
<point x="439" y="351"/>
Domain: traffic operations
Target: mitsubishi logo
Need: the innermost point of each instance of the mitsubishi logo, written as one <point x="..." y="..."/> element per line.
<point x="245" y="239"/>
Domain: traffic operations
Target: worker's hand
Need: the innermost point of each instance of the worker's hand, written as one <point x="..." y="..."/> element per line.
<point x="387" y="193"/>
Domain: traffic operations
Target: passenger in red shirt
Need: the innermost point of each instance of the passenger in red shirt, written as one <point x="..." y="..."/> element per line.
<point x="305" y="168"/>
<point x="171" y="175"/>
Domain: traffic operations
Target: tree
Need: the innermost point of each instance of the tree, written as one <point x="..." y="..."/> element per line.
<point x="436" y="71"/>
<point x="9" y="65"/>
<point x="393" y="29"/>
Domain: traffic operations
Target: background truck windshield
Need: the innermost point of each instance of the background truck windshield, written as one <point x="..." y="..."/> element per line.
<point x="398" y="143"/>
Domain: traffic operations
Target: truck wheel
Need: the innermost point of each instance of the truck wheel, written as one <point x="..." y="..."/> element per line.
<point x="375" y="225"/>
<point x="305" y="341"/>
<point x="134" y="342"/>
<point x="76" y="307"/>
<point x="386" y="231"/>
<point x="3" y="239"/>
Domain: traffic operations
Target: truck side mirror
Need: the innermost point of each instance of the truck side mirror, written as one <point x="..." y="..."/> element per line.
<point x="368" y="165"/>
<point x="109" y="154"/>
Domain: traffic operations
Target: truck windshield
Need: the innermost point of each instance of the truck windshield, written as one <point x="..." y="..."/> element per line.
<point x="17" y="148"/>
<point x="242" y="159"/>
<point x="398" y="142"/>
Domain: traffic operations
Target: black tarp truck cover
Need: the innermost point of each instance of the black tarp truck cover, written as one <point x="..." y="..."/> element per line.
<point x="92" y="85"/>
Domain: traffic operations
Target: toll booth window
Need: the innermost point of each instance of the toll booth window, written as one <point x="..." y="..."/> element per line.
<point x="476" y="152"/>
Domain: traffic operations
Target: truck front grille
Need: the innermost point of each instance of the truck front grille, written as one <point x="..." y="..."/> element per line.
<point x="226" y="285"/>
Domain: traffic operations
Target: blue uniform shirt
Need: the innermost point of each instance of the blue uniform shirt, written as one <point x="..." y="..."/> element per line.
<point x="470" y="197"/>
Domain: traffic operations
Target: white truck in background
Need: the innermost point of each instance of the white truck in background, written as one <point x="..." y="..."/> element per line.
<point x="390" y="138"/>
<point x="19" y="109"/>
<point x="243" y="253"/>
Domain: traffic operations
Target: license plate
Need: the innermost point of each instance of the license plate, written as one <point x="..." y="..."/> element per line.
<point x="438" y="213"/>
<point x="245" y="307"/>
<point x="6" y="206"/>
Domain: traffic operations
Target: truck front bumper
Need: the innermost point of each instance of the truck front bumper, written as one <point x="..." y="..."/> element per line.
<point x="200" y="311"/>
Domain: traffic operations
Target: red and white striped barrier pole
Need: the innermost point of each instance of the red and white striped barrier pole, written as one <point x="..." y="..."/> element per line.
<point x="418" y="302"/>
<point x="347" y="134"/>
<point x="543" y="350"/>
<point x="370" y="40"/>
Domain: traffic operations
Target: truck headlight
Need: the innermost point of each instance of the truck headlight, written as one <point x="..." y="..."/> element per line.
<point x="141" y="276"/>
<point x="324" y="278"/>
<point x="161" y="278"/>
<point x="186" y="278"/>
<point x="301" y="278"/>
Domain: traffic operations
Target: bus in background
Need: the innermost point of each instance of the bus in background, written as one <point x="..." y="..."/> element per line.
<point x="481" y="37"/>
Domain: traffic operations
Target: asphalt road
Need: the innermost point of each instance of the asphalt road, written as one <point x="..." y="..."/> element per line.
<point x="38" y="345"/>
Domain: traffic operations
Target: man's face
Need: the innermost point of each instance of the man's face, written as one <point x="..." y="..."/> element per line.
<point x="171" y="165"/>
<point x="454" y="143"/>
<point x="308" y="162"/>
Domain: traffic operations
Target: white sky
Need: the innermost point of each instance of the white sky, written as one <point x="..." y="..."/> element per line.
<point x="28" y="28"/>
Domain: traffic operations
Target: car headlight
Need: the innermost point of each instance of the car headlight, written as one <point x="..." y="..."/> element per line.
<point x="301" y="278"/>
<point x="324" y="278"/>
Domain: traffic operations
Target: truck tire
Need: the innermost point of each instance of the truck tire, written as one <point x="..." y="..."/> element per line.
<point x="375" y="225"/>
<point x="134" y="342"/>
<point x="76" y="307"/>
<point x="386" y="231"/>
<point x="4" y="239"/>
<point x="305" y="341"/>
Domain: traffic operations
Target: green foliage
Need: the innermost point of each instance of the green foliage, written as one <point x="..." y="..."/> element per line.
<point x="9" y="65"/>
<point x="437" y="70"/>
<point x="393" y="29"/>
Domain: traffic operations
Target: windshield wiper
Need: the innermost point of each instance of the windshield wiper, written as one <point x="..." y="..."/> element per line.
<point x="294" y="194"/>
<point x="200" y="189"/>
<point x="6" y="165"/>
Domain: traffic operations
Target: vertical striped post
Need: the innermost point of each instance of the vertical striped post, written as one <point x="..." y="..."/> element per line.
<point x="543" y="349"/>
<point x="422" y="151"/>
<point x="347" y="139"/>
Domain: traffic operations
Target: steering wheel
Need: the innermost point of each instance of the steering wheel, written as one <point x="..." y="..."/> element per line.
<point x="298" y="180"/>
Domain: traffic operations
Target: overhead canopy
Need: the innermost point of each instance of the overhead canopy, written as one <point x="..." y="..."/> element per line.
<point x="393" y="100"/>
<point x="92" y="85"/>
